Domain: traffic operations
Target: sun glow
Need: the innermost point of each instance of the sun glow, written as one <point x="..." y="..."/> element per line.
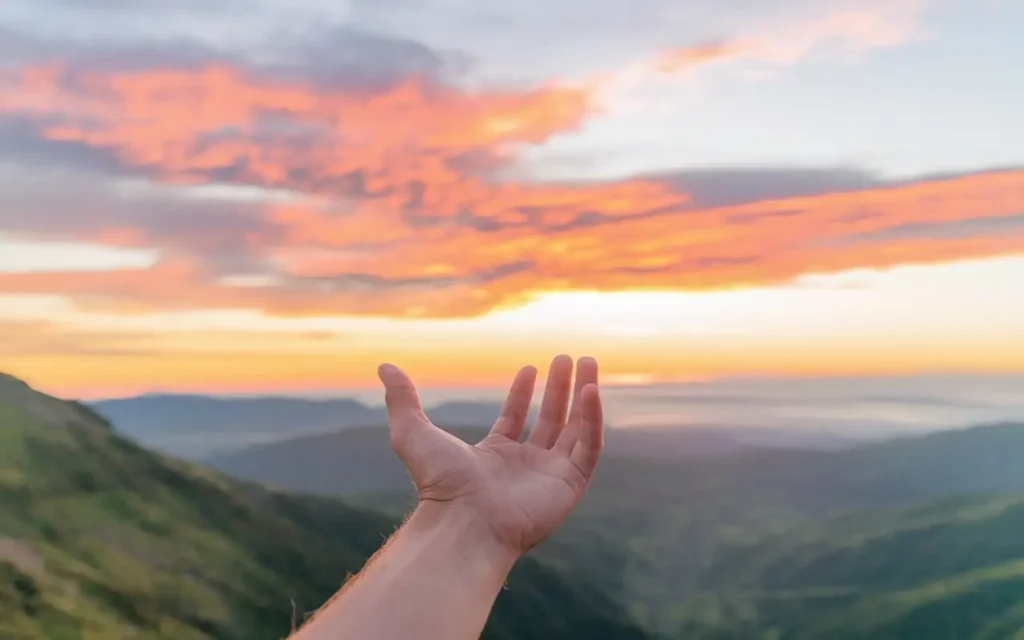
<point x="965" y="316"/>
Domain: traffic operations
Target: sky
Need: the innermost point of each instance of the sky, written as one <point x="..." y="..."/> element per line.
<point x="229" y="196"/>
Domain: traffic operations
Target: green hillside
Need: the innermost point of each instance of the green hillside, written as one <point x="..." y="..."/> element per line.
<point x="705" y="536"/>
<point x="102" y="539"/>
<point x="952" y="569"/>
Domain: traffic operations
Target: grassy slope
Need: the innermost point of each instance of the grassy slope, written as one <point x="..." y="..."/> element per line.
<point x="950" y="569"/>
<point x="102" y="539"/>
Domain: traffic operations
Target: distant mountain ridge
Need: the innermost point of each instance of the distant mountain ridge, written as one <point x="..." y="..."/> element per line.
<point x="978" y="459"/>
<point x="187" y="425"/>
<point x="198" y="427"/>
<point x="360" y="459"/>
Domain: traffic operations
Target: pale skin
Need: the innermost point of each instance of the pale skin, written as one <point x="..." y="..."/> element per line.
<point x="480" y="508"/>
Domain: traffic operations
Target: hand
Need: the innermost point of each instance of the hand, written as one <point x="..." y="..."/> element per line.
<point x="521" y="490"/>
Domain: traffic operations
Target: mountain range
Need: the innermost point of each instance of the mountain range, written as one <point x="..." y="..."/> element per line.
<point x="100" y="538"/>
<point x="198" y="427"/>
<point x="195" y="426"/>
<point x="916" y="537"/>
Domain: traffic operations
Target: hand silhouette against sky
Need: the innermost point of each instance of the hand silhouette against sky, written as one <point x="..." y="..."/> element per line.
<point x="522" y="490"/>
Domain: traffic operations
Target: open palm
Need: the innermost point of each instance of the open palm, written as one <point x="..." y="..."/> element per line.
<point x="522" y="490"/>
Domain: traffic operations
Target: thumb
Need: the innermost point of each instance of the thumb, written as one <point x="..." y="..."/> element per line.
<point x="404" y="409"/>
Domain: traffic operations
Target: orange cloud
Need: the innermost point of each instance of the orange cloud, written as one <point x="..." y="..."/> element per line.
<point x="185" y="124"/>
<point x="407" y="214"/>
<point x="446" y="272"/>
<point x="683" y="59"/>
<point x="852" y="29"/>
<point x="692" y="248"/>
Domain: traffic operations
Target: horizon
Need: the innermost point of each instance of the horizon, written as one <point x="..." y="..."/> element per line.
<point x="864" y="408"/>
<point x="193" y="200"/>
<point x="372" y="388"/>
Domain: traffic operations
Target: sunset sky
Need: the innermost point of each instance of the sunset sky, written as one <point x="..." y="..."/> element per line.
<point x="255" y="195"/>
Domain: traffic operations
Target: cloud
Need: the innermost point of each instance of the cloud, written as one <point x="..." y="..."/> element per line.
<point x="579" y="38"/>
<point x="990" y="226"/>
<point x="41" y="339"/>
<point x="120" y="6"/>
<point x="328" y="55"/>
<point x="845" y="28"/>
<point x="720" y="187"/>
<point x="676" y="60"/>
<point x="105" y="337"/>
<point x="740" y="245"/>
<point x="323" y="265"/>
<point x="60" y="206"/>
<point x="220" y="123"/>
<point x="237" y="22"/>
<point x="395" y="196"/>
<point x="754" y="42"/>
<point x="567" y="38"/>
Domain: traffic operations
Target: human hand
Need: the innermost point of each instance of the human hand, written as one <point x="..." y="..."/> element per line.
<point x="522" y="491"/>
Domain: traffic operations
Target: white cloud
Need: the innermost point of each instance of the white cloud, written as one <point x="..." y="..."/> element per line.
<point x="27" y="256"/>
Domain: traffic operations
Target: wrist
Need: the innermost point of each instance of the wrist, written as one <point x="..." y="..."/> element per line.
<point x="461" y="529"/>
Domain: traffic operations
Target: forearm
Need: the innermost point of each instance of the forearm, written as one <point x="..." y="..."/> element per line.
<point x="437" y="577"/>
